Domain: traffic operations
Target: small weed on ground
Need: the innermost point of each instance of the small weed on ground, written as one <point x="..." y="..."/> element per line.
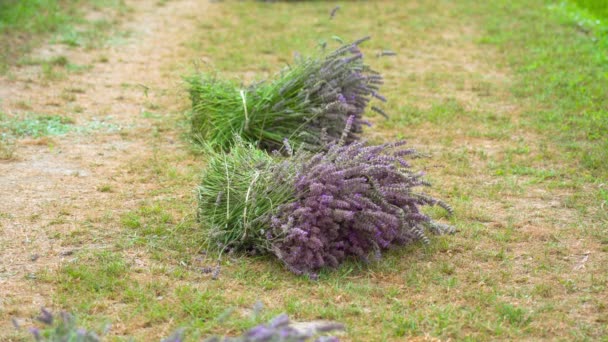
<point x="36" y="126"/>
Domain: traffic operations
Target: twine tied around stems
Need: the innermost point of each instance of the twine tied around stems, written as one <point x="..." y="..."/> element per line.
<point x="245" y="109"/>
<point x="255" y="178"/>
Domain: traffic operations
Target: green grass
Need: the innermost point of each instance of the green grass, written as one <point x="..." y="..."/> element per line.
<point x="29" y="125"/>
<point x="597" y="7"/>
<point x="507" y="98"/>
<point x="7" y="146"/>
<point x="157" y="289"/>
<point x="26" y="23"/>
<point x="563" y="76"/>
<point x="35" y="16"/>
<point x="35" y="126"/>
<point x="40" y="125"/>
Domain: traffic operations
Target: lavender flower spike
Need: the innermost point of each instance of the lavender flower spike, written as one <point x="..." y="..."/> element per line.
<point x="45" y="317"/>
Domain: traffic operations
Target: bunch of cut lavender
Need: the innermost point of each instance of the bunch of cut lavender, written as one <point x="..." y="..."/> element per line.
<point x="308" y="103"/>
<point x="318" y="209"/>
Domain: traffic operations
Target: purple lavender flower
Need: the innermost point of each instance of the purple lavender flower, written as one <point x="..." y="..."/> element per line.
<point x="260" y="333"/>
<point x="333" y="12"/>
<point x="36" y="333"/>
<point x="353" y="200"/>
<point x="279" y="321"/>
<point x="45" y="317"/>
<point x="177" y="336"/>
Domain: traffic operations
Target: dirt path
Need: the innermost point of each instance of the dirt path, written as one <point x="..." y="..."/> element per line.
<point x="55" y="194"/>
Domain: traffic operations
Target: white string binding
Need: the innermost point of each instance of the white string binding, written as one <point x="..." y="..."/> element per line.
<point x="245" y="108"/>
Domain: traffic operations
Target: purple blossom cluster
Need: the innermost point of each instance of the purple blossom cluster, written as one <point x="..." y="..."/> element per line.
<point x="340" y="87"/>
<point x="352" y="200"/>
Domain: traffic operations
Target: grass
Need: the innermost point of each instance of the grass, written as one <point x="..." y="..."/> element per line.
<point x="7" y="146"/>
<point x="29" y="125"/>
<point x="570" y="106"/>
<point x="597" y="7"/>
<point x="36" y="126"/>
<point x="40" y="126"/>
<point x="508" y="100"/>
<point x="25" y="24"/>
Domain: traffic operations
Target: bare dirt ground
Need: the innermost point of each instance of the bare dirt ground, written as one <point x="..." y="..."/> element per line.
<point x="54" y="185"/>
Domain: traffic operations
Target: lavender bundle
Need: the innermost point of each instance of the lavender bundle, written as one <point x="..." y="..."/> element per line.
<point x="318" y="209"/>
<point x="309" y="103"/>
